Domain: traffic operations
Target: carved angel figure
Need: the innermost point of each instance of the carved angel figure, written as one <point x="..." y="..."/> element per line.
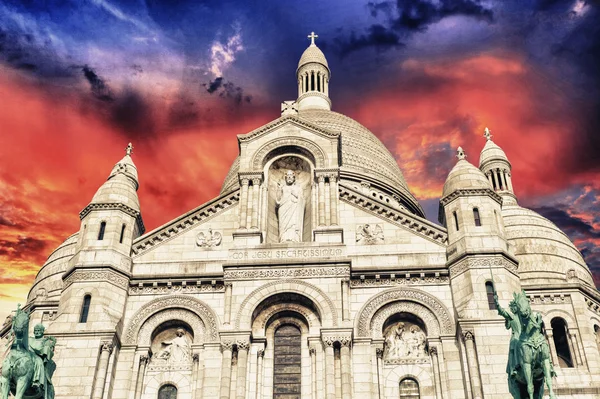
<point x="369" y="234"/>
<point x="211" y="239"/>
<point x="176" y="350"/>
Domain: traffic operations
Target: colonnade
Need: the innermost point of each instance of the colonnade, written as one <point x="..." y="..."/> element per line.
<point x="500" y="179"/>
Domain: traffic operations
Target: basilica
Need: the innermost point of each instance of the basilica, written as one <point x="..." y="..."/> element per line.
<point x="314" y="274"/>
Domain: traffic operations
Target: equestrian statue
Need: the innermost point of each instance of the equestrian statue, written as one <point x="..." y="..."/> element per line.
<point x="529" y="366"/>
<point x="28" y="367"/>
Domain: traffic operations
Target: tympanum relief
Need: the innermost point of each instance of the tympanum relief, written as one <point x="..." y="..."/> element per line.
<point x="404" y="340"/>
<point x="171" y="349"/>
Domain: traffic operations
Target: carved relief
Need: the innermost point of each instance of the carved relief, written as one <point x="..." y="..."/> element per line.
<point x="209" y="240"/>
<point x="172" y="348"/>
<point x="369" y="234"/>
<point x="404" y="339"/>
<point x="400" y="280"/>
<point x="290" y="205"/>
<point x="385" y="312"/>
<point x="481" y="263"/>
<point x="191" y="304"/>
<point x="102" y="275"/>
<point x="175" y="288"/>
<point x="409" y="295"/>
<point x="282" y="273"/>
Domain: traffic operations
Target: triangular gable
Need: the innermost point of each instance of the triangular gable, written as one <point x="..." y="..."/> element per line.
<point x="185" y="222"/>
<point x="398" y="217"/>
<point x="282" y="121"/>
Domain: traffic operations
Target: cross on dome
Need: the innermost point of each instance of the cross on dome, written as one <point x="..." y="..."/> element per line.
<point x="312" y="38"/>
<point x="487" y="134"/>
<point x="460" y="154"/>
<point x="129" y="149"/>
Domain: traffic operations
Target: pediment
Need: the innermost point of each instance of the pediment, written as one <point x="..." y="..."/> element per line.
<point x="283" y="121"/>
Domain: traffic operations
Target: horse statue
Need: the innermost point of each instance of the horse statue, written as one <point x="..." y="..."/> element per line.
<point x="28" y="367"/>
<point x="529" y="366"/>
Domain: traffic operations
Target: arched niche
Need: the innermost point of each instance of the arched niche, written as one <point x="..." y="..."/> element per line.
<point x="171" y="342"/>
<point x="289" y="145"/>
<point x="405" y="337"/>
<point x="285" y="305"/>
<point x="275" y="170"/>
<point x="172" y="318"/>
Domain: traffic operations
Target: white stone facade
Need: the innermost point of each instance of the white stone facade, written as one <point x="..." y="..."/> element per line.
<point x="369" y="271"/>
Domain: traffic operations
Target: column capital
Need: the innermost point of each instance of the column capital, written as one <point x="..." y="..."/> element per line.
<point x="196" y="357"/>
<point x="433" y="351"/>
<point x="251" y="177"/>
<point x="144" y="359"/>
<point x="261" y="353"/>
<point x="379" y="353"/>
<point x="106" y="346"/>
<point x="243" y="344"/>
<point x="321" y="178"/>
<point x="227" y="345"/>
<point x="244" y="181"/>
<point x="468" y="335"/>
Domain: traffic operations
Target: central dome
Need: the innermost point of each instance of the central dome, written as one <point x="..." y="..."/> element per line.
<point x="363" y="157"/>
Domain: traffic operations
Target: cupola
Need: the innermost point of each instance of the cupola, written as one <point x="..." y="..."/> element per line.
<point x="313" y="78"/>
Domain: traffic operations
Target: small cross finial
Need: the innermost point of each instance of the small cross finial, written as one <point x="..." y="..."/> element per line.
<point x="460" y="154"/>
<point x="312" y="38"/>
<point x="487" y="134"/>
<point x="129" y="149"/>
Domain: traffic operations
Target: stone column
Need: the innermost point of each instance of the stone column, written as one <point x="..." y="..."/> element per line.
<point x="345" y="343"/>
<point x="321" y="180"/>
<point x="509" y="181"/>
<point x="228" y="288"/>
<point x="333" y="186"/>
<point x="437" y="376"/>
<point x="106" y="348"/>
<point x="243" y="347"/>
<point x="550" y="335"/>
<point x="473" y="364"/>
<point x="575" y="346"/>
<point x="489" y="176"/>
<point x="264" y="206"/>
<point x="244" y="204"/>
<point x="139" y="384"/>
<point x="503" y="177"/>
<point x="256" y="202"/>
<point x="345" y="300"/>
<point x="315" y="205"/>
<point x="199" y="374"/>
<point x="379" y="355"/>
<point x="259" y="374"/>
<point x="226" y="347"/>
<point x="329" y="369"/>
<point x="327" y="202"/>
<point x="313" y="371"/>
<point x="495" y="183"/>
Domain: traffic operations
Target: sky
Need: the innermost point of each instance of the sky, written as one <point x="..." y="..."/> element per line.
<point x="79" y="79"/>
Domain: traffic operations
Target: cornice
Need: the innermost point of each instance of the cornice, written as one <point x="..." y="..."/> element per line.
<point x="185" y="222"/>
<point x="115" y="206"/>
<point x="297" y="120"/>
<point x="395" y="216"/>
<point x="470" y="192"/>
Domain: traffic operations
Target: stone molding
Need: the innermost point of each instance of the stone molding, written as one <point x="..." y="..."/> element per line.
<point x="592" y="305"/>
<point x="263" y="317"/>
<point x="302" y="272"/>
<point x="319" y="155"/>
<point x="188" y="317"/>
<point x="470" y="192"/>
<point x="415" y="360"/>
<point x="192" y="218"/>
<point x="395" y="216"/>
<point x="469" y="262"/>
<point x="282" y="121"/>
<point x="370" y="308"/>
<point x="432" y="323"/>
<point x="196" y="306"/>
<point x="549" y="299"/>
<point x="175" y="287"/>
<point x="395" y="280"/>
<point x="107" y="275"/>
<point x="327" y="309"/>
<point x="117" y="207"/>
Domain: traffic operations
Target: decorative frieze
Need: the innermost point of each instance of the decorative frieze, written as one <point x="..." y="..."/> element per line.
<point x="392" y="280"/>
<point x="193" y="218"/>
<point x="254" y="274"/>
<point x="481" y="263"/>
<point x="414" y="360"/>
<point x="176" y="287"/>
<point x="549" y="299"/>
<point x="106" y="275"/>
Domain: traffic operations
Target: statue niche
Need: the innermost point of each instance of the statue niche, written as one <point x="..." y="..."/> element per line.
<point x="171" y="347"/>
<point x="405" y="339"/>
<point x="289" y="204"/>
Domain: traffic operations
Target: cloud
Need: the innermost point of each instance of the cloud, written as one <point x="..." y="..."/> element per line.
<point x="377" y="36"/>
<point x="24" y="248"/>
<point x="222" y="55"/>
<point x="227" y="89"/>
<point x="120" y="15"/>
<point x="99" y="87"/>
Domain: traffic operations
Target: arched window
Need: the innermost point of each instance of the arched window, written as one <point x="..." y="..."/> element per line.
<point x="122" y="234"/>
<point x="489" y="290"/>
<point x="597" y="333"/>
<point x="318" y="82"/>
<point x="85" y="308"/>
<point x="312" y="81"/>
<point x="561" y="343"/>
<point x="287" y="366"/>
<point x="476" y="217"/>
<point x="167" y="391"/>
<point x="101" y="232"/>
<point x="455" y="220"/>
<point x="409" y="389"/>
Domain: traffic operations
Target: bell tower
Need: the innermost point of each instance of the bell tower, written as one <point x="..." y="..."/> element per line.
<point x="313" y="76"/>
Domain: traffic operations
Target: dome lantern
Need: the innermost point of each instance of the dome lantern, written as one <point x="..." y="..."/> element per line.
<point x="495" y="165"/>
<point x="313" y="76"/>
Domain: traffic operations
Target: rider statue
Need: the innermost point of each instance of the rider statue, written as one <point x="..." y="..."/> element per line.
<point x="529" y="366"/>
<point x="43" y="347"/>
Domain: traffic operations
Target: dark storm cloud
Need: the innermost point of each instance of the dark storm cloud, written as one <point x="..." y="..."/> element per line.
<point x="404" y="17"/>
<point x="573" y="226"/>
<point x="25" y="248"/>
<point x="132" y="114"/>
<point x="99" y="87"/>
<point x="377" y="36"/>
<point x="226" y="89"/>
